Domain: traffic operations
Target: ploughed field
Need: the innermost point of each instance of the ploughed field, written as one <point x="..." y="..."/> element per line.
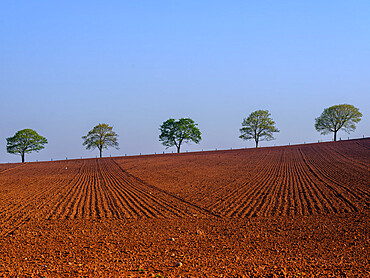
<point x="293" y="211"/>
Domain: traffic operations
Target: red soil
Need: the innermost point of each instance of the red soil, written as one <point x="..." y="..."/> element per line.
<point x="296" y="211"/>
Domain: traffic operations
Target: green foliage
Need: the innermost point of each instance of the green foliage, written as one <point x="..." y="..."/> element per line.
<point x="258" y="126"/>
<point x="101" y="136"/>
<point x="174" y="133"/>
<point x="336" y="117"/>
<point x="140" y="269"/>
<point x="25" y="141"/>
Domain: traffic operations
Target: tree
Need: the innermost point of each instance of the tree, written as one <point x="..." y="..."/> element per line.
<point x="174" y="133"/>
<point x="258" y="126"/>
<point x="101" y="136"/>
<point x="25" y="141"/>
<point x="336" y="117"/>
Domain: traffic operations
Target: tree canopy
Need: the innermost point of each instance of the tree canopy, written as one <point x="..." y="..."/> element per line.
<point x="101" y="136"/>
<point x="258" y="126"/>
<point x="175" y="133"/>
<point x="336" y="117"/>
<point x="25" y="141"/>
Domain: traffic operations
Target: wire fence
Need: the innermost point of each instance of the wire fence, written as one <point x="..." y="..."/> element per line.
<point x="195" y="151"/>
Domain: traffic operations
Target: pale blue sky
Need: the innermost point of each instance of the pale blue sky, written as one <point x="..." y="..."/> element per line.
<point x="65" y="66"/>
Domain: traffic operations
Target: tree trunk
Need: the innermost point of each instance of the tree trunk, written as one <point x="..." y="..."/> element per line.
<point x="22" y="155"/>
<point x="178" y="148"/>
<point x="101" y="152"/>
<point x="335" y="136"/>
<point x="256" y="138"/>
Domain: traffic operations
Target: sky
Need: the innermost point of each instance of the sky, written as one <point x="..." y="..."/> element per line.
<point x="66" y="66"/>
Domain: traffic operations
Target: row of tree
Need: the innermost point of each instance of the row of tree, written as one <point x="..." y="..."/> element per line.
<point x="258" y="126"/>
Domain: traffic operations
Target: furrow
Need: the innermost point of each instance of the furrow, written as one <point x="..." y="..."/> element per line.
<point x="250" y="201"/>
<point x="158" y="208"/>
<point x="328" y="186"/>
<point x="186" y="207"/>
